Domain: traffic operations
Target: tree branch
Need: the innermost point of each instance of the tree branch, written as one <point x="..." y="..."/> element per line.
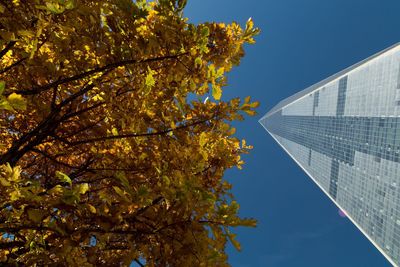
<point x="153" y="203"/>
<point x="44" y="154"/>
<point x="13" y="244"/>
<point x="132" y="135"/>
<point x="13" y="65"/>
<point x="9" y="46"/>
<point x="82" y="75"/>
<point x="79" y="112"/>
<point x="139" y="263"/>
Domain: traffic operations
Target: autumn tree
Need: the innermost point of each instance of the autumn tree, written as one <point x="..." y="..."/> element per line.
<point x="113" y="135"/>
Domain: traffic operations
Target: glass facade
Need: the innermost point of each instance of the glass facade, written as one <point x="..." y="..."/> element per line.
<point x="344" y="132"/>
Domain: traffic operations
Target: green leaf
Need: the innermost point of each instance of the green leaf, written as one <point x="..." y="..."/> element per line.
<point x="121" y="193"/>
<point x="124" y="181"/>
<point x="32" y="245"/>
<point x="70" y="4"/>
<point x="142" y="191"/>
<point x="70" y="197"/>
<point x="205" y="31"/>
<point x="17" y="101"/>
<point x="2" y="87"/>
<point x="5" y="105"/>
<point x="63" y="177"/>
<point x="180" y="106"/>
<point x="181" y="4"/>
<point x="54" y="8"/>
<point x="53" y="225"/>
<point x="198" y="62"/>
<point x="34" y="48"/>
<point x="166" y="180"/>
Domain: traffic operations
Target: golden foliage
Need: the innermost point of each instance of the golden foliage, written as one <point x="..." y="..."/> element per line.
<point x="111" y="149"/>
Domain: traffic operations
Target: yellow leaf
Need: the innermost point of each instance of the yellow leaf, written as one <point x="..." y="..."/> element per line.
<point x="198" y="62"/>
<point x="56" y="190"/>
<point x="121" y="193"/>
<point x="255" y="104"/>
<point x="15" y="172"/>
<point x="101" y="69"/>
<point x="231" y="131"/>
<point x="234" y="242"/>
<point x="83" y="188"/>
<point x="166" y="180"/>
<point x="211" y="71"/>
<point x="149" y="80"/>
<point x="2" y="87"/>
<point x="92" y="208"/>
<point x="203" y="139"/>
<point x="63" y="177"/>
<point x="4" y="182"/>
<point x="114" y="131"/>
<point x="17" y="101"/>
<point x="216" y="92"/>
<point x="25" y="33"/>
<point x="249" y="24"/>
<point x="54" y="8"/>
<point x="220" y="72"/>
<point x="15" y="195"/>
<point x="5" y="105"/>
<point x="250" y="112"/>
<point x="248" y="222"/>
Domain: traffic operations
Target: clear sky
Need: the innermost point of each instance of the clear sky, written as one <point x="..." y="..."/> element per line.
<point x="302" y="42"/>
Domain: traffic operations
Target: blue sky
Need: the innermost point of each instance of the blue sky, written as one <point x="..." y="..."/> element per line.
<point x="302" y="42"/>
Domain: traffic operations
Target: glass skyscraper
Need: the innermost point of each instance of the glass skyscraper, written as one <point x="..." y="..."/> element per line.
<point x="344" y="132"/>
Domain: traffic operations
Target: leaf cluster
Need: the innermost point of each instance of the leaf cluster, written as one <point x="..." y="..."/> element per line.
<point x="115" y="135"/>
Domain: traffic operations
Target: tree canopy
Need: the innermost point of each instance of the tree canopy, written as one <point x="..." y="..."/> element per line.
<point x="114" y="136"/>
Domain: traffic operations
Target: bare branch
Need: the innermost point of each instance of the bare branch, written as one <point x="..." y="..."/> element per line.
<point x="139" y="263"/>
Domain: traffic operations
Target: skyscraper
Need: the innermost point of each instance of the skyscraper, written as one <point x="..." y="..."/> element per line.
<point x="344" y="132"/>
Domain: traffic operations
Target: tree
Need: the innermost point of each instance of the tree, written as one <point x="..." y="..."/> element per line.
<point x="113" y="135"/>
